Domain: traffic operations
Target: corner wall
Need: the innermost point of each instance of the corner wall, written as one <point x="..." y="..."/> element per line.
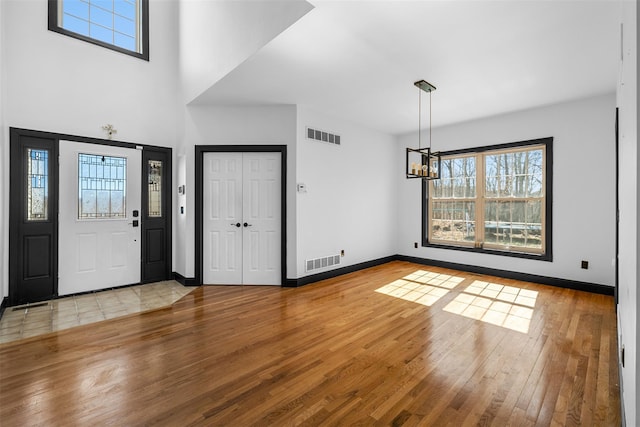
<point x="350" y="199"/>
<point x="217" y="36"/>
<point x="627" y="102"/>
<point x="65" y="85"/>
<point x="350" y="195"/>
<point x="218" y="125"/>
<point x="4" y="168"/>
<point x="583" y="187"/>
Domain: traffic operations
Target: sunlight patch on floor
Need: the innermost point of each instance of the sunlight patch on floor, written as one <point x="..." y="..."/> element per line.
<point x="506" y="306"/>
<point x="423" y="287"/>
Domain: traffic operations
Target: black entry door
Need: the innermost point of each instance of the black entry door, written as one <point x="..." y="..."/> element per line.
<point x="156" y="214"/>
<point x="33" y="217"/>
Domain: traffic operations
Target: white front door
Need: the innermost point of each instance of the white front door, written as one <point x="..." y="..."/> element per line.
<point x="100" y="201"/>
<point x="241" y="218"/>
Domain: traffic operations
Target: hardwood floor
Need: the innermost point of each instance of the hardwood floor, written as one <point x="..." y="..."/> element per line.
<point x="436" y="348"/>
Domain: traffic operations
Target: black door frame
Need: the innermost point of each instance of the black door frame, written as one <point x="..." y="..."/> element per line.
<point x="15" y="211"/>
<point x="617" y="261"/>
<point x="199" y="196"/>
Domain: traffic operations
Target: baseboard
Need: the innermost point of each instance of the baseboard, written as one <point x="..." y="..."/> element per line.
<point x="525" y="277"/>
<point x="294" y="283"/>
<point x="184" y="281"/>
<point x="3" y="305"/>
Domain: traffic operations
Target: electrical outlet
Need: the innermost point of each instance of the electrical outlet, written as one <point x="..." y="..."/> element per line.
<point x="584" y="264"/>
<point x="415" y="245"/>
<point x="342" y="252"/>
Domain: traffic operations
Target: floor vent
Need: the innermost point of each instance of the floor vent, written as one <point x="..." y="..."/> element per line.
<point x="324" y="262"/>
<point x="320" y="135"/>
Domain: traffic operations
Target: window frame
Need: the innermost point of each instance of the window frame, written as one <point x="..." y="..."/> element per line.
<point x="488" y="248"/>
<point x="143" y="33"/>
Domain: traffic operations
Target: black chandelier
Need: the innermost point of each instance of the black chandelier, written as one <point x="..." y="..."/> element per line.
<point x="423" y="162"/>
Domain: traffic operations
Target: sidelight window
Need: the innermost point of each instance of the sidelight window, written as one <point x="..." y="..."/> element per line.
<point x="155" y="189"/>
<point x="37" y="184"/>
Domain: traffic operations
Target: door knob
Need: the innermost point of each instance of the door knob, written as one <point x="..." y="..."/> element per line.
<point x="247" y="224"/>
<point x="237" y="224"/>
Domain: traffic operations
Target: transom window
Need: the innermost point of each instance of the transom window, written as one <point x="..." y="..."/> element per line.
<point x="120" y="25"/>
<point x="493" y="199"/>
<point x="102" y="181"/>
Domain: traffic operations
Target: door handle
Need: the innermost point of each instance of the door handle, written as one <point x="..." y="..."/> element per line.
<point x="247" y="224"/>
<point x="237" y="224"/>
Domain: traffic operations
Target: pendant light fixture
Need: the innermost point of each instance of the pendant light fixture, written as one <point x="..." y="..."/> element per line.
<point x="422" y="162"/>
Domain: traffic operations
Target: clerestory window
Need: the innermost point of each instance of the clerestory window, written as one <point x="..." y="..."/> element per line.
<point x="121" y="25"/>
<point x="493" y="199"/>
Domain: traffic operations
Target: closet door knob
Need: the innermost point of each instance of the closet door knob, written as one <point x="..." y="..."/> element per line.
<point x="237" y="224"/>
<point x="247" y="224"/>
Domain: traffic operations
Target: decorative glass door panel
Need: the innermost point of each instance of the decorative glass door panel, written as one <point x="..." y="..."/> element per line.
<point x="37" y="180"/>
<point x="155" y="188"/>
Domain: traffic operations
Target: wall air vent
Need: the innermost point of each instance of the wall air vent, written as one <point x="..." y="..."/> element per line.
<point x="324" y="262"/>
<point x="320" y="135"/>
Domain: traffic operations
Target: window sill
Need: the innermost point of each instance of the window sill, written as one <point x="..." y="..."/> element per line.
<point x="526" y="255"/>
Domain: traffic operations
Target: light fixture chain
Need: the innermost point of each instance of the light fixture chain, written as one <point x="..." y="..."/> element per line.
<point x="419" y="118"/>
<point x="430" y="120"/>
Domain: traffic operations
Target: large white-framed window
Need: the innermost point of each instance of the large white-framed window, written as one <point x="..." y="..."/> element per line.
<point x="494" y="199"/>
<point x="121" y="25"/>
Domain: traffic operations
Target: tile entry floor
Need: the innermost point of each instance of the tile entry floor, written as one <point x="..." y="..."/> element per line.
<point x="48" y="316"/>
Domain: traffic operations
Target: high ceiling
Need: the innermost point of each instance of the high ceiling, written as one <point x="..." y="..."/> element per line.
<point x="358" y="59"/>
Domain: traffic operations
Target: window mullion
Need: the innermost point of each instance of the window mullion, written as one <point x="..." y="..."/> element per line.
<point x="138" y="20"/>
<point x="543" y="204"/>
<point x="480" y="192"/>
<point x="429" y="220"/>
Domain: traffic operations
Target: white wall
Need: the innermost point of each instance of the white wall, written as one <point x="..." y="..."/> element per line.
<point x="273" y="125"/>
<point x="61" y="84"/>
<point x="583" y="187"/>
<point x="217" y="36"/>
<point x="4" y="174"/>
<point x="627" y="101"/>
<point x="350" y="199"/>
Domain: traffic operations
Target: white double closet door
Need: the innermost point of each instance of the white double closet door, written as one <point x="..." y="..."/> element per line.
<point x="242" y="218"/>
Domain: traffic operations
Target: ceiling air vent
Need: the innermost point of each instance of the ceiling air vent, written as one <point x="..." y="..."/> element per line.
<point x="320" y="135"/>
<point x="324" y="262"/>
